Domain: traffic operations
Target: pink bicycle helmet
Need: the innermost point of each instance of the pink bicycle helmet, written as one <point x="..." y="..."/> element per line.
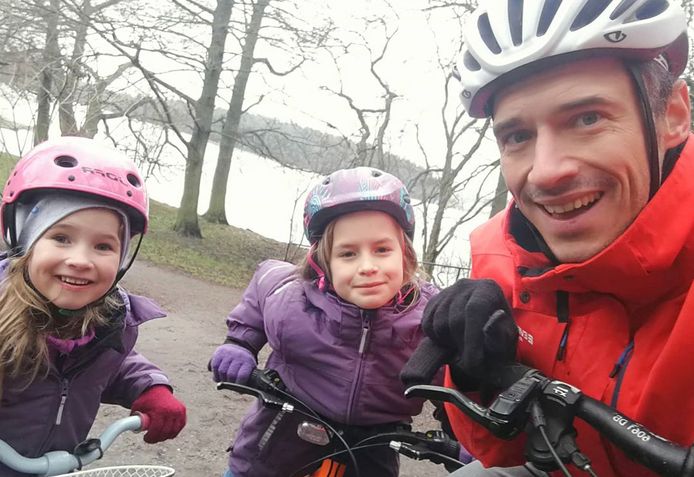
<point x="81" y="166"/>
<point x="353" y="190"/>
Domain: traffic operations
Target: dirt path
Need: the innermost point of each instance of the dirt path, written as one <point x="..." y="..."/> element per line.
<point x="182" y="344"/>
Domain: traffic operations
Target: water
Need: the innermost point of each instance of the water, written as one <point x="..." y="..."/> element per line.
<point x="262" y="196"/>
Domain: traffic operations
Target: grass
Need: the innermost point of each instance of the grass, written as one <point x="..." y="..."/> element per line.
<point x="226" y="255"/>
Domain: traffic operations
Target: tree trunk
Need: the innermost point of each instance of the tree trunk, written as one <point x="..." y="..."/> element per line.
<point x="69" y="94"/>
<point x="499" y="202"/>
<point x="187" y="217"/>
<point x="51" y="55"/>
<point x="216" y="213"/>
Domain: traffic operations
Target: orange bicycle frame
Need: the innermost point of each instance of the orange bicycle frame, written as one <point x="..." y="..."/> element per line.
<point x="330" y="468"/>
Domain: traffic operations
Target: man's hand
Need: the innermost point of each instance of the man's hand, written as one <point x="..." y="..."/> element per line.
<point x="167" y="415"/>
<point x="470" y="323"/>
<point x="232" y="363"/>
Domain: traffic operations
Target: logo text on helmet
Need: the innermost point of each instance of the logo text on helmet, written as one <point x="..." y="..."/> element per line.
<point x="109" y="175"/>
<point x="615" y="36"/>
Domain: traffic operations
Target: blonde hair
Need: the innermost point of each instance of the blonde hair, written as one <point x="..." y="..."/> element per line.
<point x="26" y="319"/>
<point x="321" y="251"/>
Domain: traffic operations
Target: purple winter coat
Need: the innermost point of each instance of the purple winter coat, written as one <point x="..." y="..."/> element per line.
<point x="56" y="413"/>
<point x="341" y="361"/>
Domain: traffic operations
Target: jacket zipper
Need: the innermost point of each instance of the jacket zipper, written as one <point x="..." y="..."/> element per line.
<point x="64" y="386"/>
<point x="63" y="398"/>
<point x="563" y="316"/>
<point x="366" y="316"/>
<point x="619" y="371"/>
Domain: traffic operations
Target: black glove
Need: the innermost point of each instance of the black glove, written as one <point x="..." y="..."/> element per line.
<point x="468" y="326"/>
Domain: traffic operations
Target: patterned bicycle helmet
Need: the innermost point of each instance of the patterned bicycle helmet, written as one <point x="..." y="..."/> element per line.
<point x="505" y="36"/>
<point x="353" y="190"/>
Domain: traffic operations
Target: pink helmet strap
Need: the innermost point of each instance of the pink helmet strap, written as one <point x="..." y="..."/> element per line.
<point x="322" y="282"/>
<point x="401" y="297"/>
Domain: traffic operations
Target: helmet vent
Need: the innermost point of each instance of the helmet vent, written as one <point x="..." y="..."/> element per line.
<point x="133" y="179"/>
<point x="549" y="11"/>
<point x="515" y="20"/>
<point x="590" y="11"/>
<point x="487" y="34"/>
<point x="376" y="173"/>
<point x="65" y="161"/>
<point x="470" y="62"/>
<point x="326" y="181"/>
<point x="651" y="9"/>
<point x="621" y="8"/>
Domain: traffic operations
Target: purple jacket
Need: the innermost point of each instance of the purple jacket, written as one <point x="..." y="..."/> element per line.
<point x="341" y="361"/>
<point x="57" y="412"/>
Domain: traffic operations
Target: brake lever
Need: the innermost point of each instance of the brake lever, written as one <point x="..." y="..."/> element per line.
<point x="507" y="414"/>
<point x="496" y="424"/>
<point x="267" y="398"/>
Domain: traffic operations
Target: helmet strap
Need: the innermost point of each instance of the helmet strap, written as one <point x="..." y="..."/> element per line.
<point x="401" y="297"/>
<point x="10" y="217"/>
<point x="127" y="266"/>
<point x="650" y="130"/>
<point x="322" y="281"/>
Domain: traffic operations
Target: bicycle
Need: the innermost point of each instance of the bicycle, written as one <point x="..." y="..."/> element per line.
<point x="69" y="464"/>
<point x="432" y="445"/>
<point x="549" y="407"/>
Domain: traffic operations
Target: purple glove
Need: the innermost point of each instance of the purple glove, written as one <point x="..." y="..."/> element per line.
<point x="232" y="363"/>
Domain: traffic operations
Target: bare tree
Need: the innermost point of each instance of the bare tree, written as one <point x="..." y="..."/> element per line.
<point x="187" y="218"/>
<point x="462" y="179"/>
<point x="293" y="45"/>
<point x="169" y="34"/>
<point x="51" y="56"/>
<point x="369" y="150"/>
<point x="61" y="82"/>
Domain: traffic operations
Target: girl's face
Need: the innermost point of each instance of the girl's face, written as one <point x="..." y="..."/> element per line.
<point x="366" y="260"/>
<point x="75" y="262"/>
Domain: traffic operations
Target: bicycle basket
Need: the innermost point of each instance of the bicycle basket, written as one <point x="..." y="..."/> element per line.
<point x="125" y="471"/>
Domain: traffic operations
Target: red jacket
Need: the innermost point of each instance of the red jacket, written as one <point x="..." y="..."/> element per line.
<point x="633" y="304"/>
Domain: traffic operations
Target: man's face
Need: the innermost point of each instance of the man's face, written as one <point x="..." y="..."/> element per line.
<point x="573" y="154"/>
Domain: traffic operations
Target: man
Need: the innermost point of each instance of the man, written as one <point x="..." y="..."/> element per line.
<point x="594" y="257"/>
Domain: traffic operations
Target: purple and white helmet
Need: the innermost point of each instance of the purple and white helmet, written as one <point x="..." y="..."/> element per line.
<point x="354" y="190"/>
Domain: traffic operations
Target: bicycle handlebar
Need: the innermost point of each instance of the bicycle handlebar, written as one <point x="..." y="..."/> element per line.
<point x="433" y="445"/>
<point x="61" y="462"/>
<point x="507" y="415"/>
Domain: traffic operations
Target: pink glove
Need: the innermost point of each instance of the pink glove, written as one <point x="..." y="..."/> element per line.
<point x="167" y="415"/>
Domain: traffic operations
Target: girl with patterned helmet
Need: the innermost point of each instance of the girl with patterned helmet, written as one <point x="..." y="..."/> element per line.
<point x="341" y="325"/>
<point x="69" y="210"/>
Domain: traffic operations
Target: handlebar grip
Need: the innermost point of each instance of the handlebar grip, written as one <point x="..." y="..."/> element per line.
<point x="449" y="448"/>
<point x="144" y="421"/>
<point x="255" y="380"/>
<point x="658" y="454"/>
<point x="426" y="360"/>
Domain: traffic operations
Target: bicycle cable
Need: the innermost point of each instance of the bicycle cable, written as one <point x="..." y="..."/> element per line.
<point x="348" y="449"/>
<point x="539" y="422"/>
<point x="298" y="471"/>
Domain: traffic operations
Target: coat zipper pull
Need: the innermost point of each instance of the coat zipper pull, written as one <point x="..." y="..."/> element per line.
<point x="365" y="330"/>
<point x="63" y="398"/>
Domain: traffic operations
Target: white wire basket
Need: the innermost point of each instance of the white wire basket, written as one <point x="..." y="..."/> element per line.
<point x="125" y="471"/>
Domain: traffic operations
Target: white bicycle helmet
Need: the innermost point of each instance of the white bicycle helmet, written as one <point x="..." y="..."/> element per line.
<point x="504" y="36"/>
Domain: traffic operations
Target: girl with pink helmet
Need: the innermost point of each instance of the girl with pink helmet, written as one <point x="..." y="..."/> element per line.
<point x="71" y="208"/>
<point x="341" y="325"/>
